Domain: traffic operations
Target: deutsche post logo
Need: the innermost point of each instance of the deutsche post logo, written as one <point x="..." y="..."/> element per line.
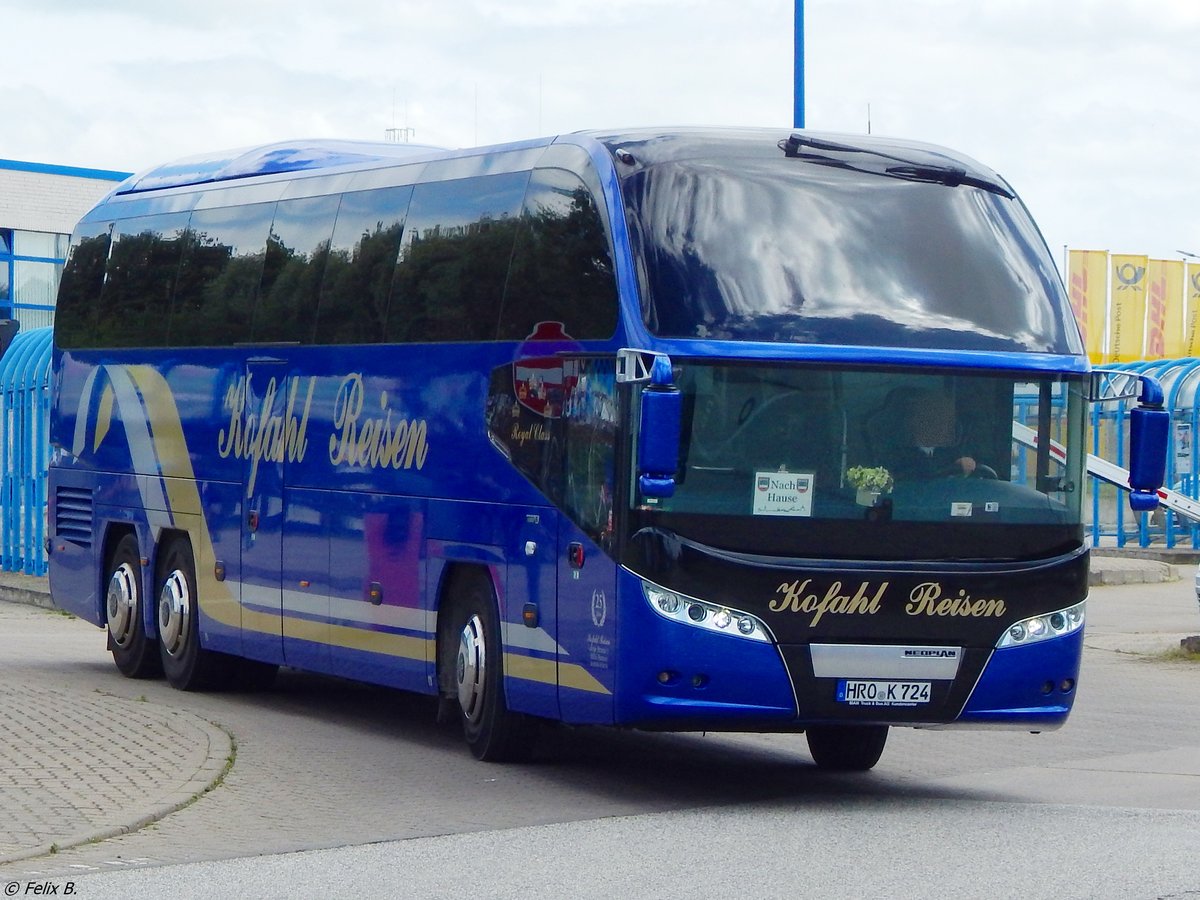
<point x="1130" y="276"/>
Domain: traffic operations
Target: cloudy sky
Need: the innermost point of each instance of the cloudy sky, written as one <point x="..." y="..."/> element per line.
<point x="1091" y="108"/>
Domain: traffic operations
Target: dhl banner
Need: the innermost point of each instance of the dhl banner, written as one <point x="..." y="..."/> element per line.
<point x="1128" y="307"/>
<point x="1191" y="321"/>
<point x="1164" y="309"/>
<point x="1088" y="284"/>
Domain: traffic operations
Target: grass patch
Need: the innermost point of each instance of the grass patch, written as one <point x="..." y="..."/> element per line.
<point x="1179" y="654"/>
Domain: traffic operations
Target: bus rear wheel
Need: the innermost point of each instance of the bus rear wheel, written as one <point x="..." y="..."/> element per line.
<point x="846" y="748"/>
<point x="187" y="665"/>
<point x="134" y="651"/>
<point x="492" y="731"/>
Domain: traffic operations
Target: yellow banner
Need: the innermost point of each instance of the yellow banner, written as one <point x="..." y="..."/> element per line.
<point x="1128" y="307"/>
<point x="1087" y="274"/>
<point x="1164" y="309"/>
<point x="1191" y="321"/>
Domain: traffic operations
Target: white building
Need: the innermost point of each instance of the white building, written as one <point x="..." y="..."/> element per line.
<point x="39" y="206"/>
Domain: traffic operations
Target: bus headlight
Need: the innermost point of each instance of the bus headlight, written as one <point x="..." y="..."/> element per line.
<point x="702" y="614"/>
<point x="1044" y="627"/>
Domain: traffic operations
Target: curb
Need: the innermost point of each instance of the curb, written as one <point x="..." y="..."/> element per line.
<point x="218" y="761"/>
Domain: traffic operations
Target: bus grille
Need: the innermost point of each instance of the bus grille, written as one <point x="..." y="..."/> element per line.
<point x="73" y="515"/>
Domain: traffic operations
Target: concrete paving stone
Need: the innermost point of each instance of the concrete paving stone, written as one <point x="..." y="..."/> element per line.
<point x="75" y="767"/>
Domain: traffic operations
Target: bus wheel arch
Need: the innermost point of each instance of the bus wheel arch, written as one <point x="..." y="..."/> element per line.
<point x="470" y="658"/>
<point x="133" y="646"/>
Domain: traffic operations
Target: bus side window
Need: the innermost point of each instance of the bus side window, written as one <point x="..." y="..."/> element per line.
<point x="361" y="265"/>
<point x="454" y="259"/>
<point x="136" y="301"/>
<point x="562" y="270"/>
<point x="297" y="250"/>
<point x="79" y="291"/>
<point x="222" y="265"/>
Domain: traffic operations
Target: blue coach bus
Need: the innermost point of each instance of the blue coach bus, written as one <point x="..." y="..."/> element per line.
<point x="672" y="430"/>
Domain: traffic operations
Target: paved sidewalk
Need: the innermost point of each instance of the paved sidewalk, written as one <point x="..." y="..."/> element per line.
<point x="79" y="766"/>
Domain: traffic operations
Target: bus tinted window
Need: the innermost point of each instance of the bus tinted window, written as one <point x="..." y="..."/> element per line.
<point x="562" y="268"/>
<point x="454" y="259"/>
<point x="296" y="255"/>
<point x="362" y="260"/>
<point x="222" y="263"/>
<point x="142" y="267"/>
<point x="75" y="316"/>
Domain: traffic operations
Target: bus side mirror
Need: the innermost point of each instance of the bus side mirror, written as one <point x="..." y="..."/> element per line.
<point x="1149" y="428"/>
<point x="658" y="436"/>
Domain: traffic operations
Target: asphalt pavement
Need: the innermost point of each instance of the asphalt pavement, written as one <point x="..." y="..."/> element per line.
<point x="77" y="767"/>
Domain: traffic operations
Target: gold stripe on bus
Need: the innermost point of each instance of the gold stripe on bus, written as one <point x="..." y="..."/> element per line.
<point x="548" y="671"/>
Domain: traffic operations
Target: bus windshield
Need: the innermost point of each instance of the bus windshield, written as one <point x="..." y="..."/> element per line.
<point x="766" y="248"/>
<point x="859" y="463"/>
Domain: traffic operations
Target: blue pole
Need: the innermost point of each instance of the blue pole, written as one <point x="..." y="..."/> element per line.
<point x="798" y="101"/>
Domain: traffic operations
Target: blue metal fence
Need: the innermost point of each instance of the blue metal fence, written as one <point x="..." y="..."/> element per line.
<point x="1111" y="519"/>
<point x="24" y="451"/>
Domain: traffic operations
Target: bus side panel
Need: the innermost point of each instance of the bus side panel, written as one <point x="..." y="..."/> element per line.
<point x="589" y="628"/>
<point x="531" y="648"/>
<point x="379" y="629"/>
<point x="216" y="537"/>
<point x="306" y="578"/>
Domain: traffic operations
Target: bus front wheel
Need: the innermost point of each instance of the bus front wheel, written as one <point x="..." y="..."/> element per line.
<point x="187" y="665"/>
<point x="134" y="651"/>
<point x="492" y="731"/>
<point x="846" y="748"/>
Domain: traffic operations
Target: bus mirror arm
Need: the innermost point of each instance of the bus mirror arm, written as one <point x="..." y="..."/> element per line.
<point x="1149" y="429"/>
<point x="658" y="434"/>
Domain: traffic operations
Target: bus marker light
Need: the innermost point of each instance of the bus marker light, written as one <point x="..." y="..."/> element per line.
<point x="722" y="619"/>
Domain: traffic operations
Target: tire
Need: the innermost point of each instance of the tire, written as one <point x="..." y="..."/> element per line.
<point x="187" y="665"/>
<point x="133" y="650"/>
<point x="846" y="748"/>
<point x="492" y="732"/>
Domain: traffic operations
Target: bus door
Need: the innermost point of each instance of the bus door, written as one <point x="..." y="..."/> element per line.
<point x="266" y="399"/>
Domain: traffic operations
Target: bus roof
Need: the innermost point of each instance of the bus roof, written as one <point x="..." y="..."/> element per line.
<point x="634" y="147"/>
<point x="272" y="159"/>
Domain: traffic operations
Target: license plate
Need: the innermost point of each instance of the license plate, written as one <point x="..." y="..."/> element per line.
<point x="883" y="693"/>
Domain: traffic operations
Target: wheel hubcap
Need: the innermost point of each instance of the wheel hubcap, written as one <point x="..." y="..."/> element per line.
<point x="471" y="667"/>
<point x="174" y="613"/>
<point x="121" y="604"/>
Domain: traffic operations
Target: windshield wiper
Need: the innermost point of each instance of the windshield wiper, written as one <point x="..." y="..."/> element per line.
<point x="952" y="176"/>
<point x="948" y="175"/>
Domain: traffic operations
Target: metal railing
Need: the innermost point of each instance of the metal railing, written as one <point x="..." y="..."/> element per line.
<point x="24" y="451"/>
